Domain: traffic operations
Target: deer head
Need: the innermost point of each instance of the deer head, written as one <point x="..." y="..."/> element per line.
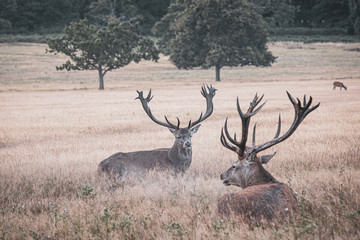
<point x="248" y="170"/>
<point x="182" y="144"/>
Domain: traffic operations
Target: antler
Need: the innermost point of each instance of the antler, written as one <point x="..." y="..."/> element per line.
<point x="239" y="147"/>
<point x="300" y="113"/>
<point x="209" y="104"/>
<point x="145" y="101"/>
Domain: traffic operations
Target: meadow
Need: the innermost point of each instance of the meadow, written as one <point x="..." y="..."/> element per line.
<point x="56" y="127"/>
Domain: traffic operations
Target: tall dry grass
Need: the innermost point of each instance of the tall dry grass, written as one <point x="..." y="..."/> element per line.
<point x="54" y="132"/>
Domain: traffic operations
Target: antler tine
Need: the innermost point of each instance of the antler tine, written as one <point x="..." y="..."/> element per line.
<point x="279" y="128"/>
<point x="305" y="110"/>
<point x="172" y="125"/>
<point x="254" y="130"/>
<point x="309" y="103"/>
<point x="208" y="95"/>
<point x="245" y="118"/>
<point x="232" y="140"/>
<point x="300" y="113"/>
<point x="250" y="112"/>
<point x="226" y="144"/>
<point x="257" y="110"/>
<point x="149" y="97"/>
<point x="144" y="103"/>
<point x="276" y="135"/>
<point x="242" y="115"/>
<point x="256" y="101"/>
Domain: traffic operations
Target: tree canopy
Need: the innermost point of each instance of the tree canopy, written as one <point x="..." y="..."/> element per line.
<point x="217" y="33"/>
<point x="53" y="15"/>
<point x="39" y="16"/>
<point x="277" y="13"/>
<point x="105" y="48"/>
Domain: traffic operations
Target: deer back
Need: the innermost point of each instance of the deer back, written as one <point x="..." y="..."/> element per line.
<point x="339" y="84"/>
<point x="267" y="201"/>
<point x="120" y="164"/>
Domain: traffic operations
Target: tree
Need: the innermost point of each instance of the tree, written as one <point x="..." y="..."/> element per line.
<point x="217" y="33"/>
<point x="149" y="12"/>
<point x="322" y="13"/>
<point x="103" y="49"/>
<point x="144" y="12"/>
<point x="99" y="9"/>
<point x="330" y="13"/>
<point x="277" y="13"/>
<point x="7" y="10"/>
<point x="354" y="17"/>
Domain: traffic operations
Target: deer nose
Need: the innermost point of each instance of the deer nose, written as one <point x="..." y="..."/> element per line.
<point x="187" y="144"/>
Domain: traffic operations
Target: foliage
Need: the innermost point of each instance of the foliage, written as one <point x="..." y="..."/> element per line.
<point x="354" y="16"/>
<point x="176" y="229"/>
<point x="33" y="16"/>
<point x="277" y="13"/>
<point x="330" y="13"/>
<point x="38" y="16"/>
<point x="214" y="33"/>
<point x="322" y="13"/>
<point x="104" y="49"/>
<point x="311" y="35"/>
<point x="7" y="9"/>
<point x="150" y="12"/>
<point x="143" y="12"/>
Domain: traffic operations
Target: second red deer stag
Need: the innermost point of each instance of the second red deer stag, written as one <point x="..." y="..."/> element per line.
<point x="177" y="158"/>
<point x="262" y="197"/>
<point x="339" y="85"/>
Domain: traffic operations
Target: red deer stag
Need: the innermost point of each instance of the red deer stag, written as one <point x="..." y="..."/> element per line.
<point x="338" y="84"/>
<point x="262" y="197"/>
<point x="177" y="158"/>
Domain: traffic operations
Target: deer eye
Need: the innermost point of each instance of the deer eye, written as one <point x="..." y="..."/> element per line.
<point x="233" y="167"/>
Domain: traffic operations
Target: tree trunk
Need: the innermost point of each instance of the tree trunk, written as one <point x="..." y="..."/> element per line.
<point x="101" y="79"/>
<point x="112" y="7"/>
<point x="217" y="69"/>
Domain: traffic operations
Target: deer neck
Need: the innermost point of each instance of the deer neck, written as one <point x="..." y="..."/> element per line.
<point x="258" y="176"/>
<point x="180" y="157"/>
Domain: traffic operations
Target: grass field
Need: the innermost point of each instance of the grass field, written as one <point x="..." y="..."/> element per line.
<point x="55" y="128"/>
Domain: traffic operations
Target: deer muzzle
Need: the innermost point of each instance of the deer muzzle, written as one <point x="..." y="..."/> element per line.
<point x="226" y="181"/>
<point x="187" y="144"/>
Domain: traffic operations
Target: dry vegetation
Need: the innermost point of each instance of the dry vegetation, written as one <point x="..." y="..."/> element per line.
<point x="55" y="128"/>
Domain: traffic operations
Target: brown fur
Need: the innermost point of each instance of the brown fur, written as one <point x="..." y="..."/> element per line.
<point x="259" y="202"/>
<point x="338" y="84"/>
<point x="263" y="197"/>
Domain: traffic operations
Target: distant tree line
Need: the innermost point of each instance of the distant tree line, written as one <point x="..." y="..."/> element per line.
<point x="38" y="16"/>
<point x="23" y="16"/>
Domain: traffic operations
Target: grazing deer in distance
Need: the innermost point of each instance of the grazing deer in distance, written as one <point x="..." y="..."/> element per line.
<point x="262" y="197"/>
<point x="339" y="84"/>
<point x="177" y="158"/>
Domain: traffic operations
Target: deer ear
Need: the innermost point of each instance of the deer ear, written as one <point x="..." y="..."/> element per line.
<point x="173" y="131"/>
<point x="266" y="158"/>
<point x="195" y="129"/>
